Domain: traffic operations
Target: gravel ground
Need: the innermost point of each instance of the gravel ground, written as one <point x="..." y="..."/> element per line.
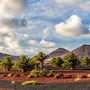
<point x="48" y="86"/>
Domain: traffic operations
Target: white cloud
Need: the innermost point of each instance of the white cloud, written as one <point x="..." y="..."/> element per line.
<point x="33" y="42"/>
<point x="46" y="32"/>
<point x="26" y="35"/>
<point x="43" y="43"/>
<point x="64" y="3"/>
<point x="85" y="6"/>
<point x="8" y="7"/>
<point x="47" y="44"/>
<point x="12" y="41"/>
<point x="72" y="27"/>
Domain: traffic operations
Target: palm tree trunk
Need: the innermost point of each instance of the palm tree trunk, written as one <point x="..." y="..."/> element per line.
<point x="8" y="69"/>
<point x="41" y="65"/>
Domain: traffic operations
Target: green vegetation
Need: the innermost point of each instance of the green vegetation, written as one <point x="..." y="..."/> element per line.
<point x="85" y="61"/>
<point x="41" y="57"/>
<point x="56" y="61"/>
<point x="77" y="79"/>
<point x="43" y="73"/>
<point x="7" y="63"/>
<point x="52" y="71"/>
<point x="35" y="72"/>
<point x="22" y="63"/>
<point x="31" y="83"/>
<point x="71" y="61"/>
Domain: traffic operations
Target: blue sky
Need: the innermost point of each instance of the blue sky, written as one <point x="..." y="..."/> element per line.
<point x="30" y="26"/>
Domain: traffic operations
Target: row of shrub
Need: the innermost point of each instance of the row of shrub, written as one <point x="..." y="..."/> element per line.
<point x="42" y="73"/>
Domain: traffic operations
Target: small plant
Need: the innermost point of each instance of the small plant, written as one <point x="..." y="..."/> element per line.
<point x="16" y="75"/>
<point x="31" y="76"/>
<point x="43" y="73"/>
<point x="77" y="79"/>
<point x="51" y="74"/>
<point x="56" y="76"/>
<point x="12" y="82"/>
<point x="82" y="76"/>
<point x="3" y="75"/>
<point x="60" y="74"/>
<point x="88" y="75"/>
<point x="35" y="72"/>
<point x="31" y="83"/>
<point x="10" y="74"/>
<point x="24" y="74"/>
<point x="67" y="76"/>
<point x="88" y="79"/>
<point x="52" y="71"/>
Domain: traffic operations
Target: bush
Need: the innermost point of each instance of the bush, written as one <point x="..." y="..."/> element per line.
<point x="3" y="75"/>
<point x="56" y="76"/>
<point x="82" y="76"/>
<point x="60" y="74"/>
<point x="43" y="73"/>
<point x="35" y="72"/>
<point x="16" y="75"/>
<point x="77" y="79"/>
<point x="31" y="83"/>
<point x="52" y="71"/>
<point x="51" y="74"/>
<point x="24" y="74"/>
<point x="30" y="76"/>
<point x="88" y="75"/>
<point x="67" y="76"/>
<point x="11" y="74"/>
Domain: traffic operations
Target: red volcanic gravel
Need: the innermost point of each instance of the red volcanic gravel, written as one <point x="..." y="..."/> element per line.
<point x="46" y="79"/>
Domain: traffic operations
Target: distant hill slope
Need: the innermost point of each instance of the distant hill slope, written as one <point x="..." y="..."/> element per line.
<point x="4" y="55"/>
<point x="81" y="52"/>
<point x="56" y="53"/>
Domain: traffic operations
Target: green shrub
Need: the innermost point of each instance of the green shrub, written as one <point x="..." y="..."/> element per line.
<point x="43" y="73"/>
<point x="52" y="71"/>
<point x="77" y="79"/>
<point x="35" y="72"/>
<point x="51" y="74"/>
<point x="31" y="83"/>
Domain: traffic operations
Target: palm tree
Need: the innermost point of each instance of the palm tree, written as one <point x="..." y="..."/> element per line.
<point x="56" y="61"/>
<point x="7" y="63"/>
<point x="41" y="57"/>
<point x="71" y="60"/>
<point x="22" y="63"/>
<point x="85" y="60"/>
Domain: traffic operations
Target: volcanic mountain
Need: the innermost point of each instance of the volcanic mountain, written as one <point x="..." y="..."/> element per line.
<point x="81" y="52"/>
<point x="2" y="55"/>
<point x="56" y="53"/>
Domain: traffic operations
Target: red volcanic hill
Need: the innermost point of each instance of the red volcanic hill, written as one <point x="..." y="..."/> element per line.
<point x="81" y="52"/>
<point x="2" y="55"/>
<point x="56" y="53"/>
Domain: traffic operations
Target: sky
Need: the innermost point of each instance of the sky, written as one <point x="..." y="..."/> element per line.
<point x="30" y="26"/>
